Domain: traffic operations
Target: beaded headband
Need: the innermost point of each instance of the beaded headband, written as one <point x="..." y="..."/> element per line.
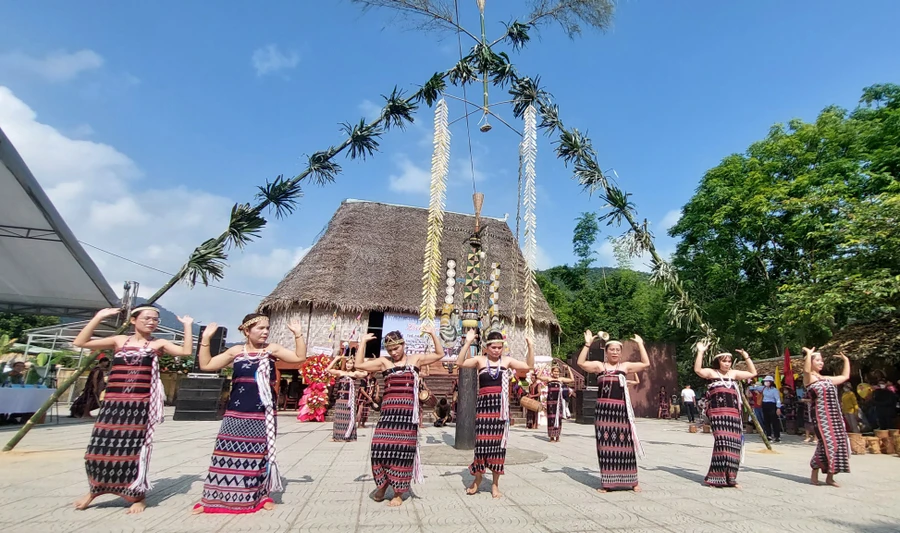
<point x="723" y="354"/>
<point x="614" y="342"/>
<point x="394" y="342"/>
<point x="137" y="310"/>
<point x="248" y="324"/>
<point x="495" y="341"/>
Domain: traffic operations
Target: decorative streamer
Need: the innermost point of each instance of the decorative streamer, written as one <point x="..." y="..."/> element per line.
<point x="333" y="326"/>
<point x="528" y="153"/>
<point x="494" y="297"/>
<point x="440" y="167"/>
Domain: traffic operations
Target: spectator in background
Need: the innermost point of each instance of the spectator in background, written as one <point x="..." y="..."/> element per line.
<point x="16" y="376"/>
<point x="675" y="409"/>
<point x="688" y="398"/>
<point x="442" y="413"/>
<point x="885" y="405"/>
<point x="850" y="408"/>
<point x="756" y="402"/>
<point x="662" y="400"/>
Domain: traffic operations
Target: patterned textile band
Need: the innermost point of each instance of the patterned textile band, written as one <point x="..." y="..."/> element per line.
<point x="246" y="325"/>
<point x="723" y="354"/>
<point x="614" y="342"/>
<point x="395" y="342"/>
<point x="137" y="310"/>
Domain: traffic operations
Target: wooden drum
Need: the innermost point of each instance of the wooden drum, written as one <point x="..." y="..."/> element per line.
<point x="531" y="404"/>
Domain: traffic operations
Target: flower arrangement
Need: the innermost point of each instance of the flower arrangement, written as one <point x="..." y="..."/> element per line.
<point x="314" y="402"/>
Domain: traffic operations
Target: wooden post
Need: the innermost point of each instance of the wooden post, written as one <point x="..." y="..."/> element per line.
<point x="467" y="393"/>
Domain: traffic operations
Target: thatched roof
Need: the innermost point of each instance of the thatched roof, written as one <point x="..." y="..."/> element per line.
<point x="876" y="339"/>
<point x="370" y="258"/>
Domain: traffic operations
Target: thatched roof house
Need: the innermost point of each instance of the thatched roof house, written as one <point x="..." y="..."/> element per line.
<point x="877" y="341"/>
<point x="369" y="260"/>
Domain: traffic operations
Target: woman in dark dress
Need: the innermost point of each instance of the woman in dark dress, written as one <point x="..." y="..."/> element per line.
<point x="724" y="410"/>
<point x="395" y="442"/>
<point x="617" y="442"/>
<point x="346" y="408"/>
<point x="89" y="399"/>
<point x="118" y="455"/>
<point x="832" y="454"/>
<point x="492" y="407"/>
<point x="555" y="408"/>
<point x="243" y="470"/>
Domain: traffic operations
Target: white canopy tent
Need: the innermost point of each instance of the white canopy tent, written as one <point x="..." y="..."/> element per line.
<point x="43" y="268"/>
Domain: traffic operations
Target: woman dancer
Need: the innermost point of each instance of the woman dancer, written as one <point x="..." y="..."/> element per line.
<point x="555" y="407"/>
<point x="118" y="456"/>
<point x="346" y="407"/>
<point x="617" y="442"/>
<point x="534" y="392"/>
<point x="662" y="399"/>
<point x="724" y="413"/>
<point x="243" y="469"/>
<point x="832" y="454"/>
<point x="395" y="442"/>
<point x="492" y="406"/>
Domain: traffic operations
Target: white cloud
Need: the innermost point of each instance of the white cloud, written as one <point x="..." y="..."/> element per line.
<point x="542" y="259"/>
<point x="83" y="130"/>
<point x="412" y="179"/>
<point x="101" y="194"/>
<point x="671" y="218"/>
<point x="270" y="59"/>
<point x="57" y="66"/>
<point x="370" y="110"/>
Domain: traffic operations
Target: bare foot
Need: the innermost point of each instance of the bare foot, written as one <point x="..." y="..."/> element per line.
<point x="637" y="488"/>
<point x="495" y="492"/>
<point x="472" y="489"/>
<point x="378" y="496"/>
<point x="198" y="510"/>
<point x="83" y="503"/>
<point x="814" y="477"/>
<point x="269" y="506"/>
<point x="137" y="507"/>
<point x="737" y="486"/>
<point x="829" y="480"/>
<point x="602" y="490"/>
<point x="396" y="501"/>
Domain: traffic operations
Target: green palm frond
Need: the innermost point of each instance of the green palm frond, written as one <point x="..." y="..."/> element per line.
<point x="550" y="121"/>
<point x="525" y="92"/>
<point x="617" y="199"/>
<point x="589" y="175"/>
<point x="207" y="263"/>
<point x="462" y="73"/>
<point x="323" y="168"/>
<point x="280" y="195"/>
<point x="517" y="35"/>
<point x="431" y="91"/>
<point x="244" y="226"/>
<point x="503" y="72"/>
<point x="574" y="145"/>
<point x="363" y="138"/>
<point x="397" y="110"/>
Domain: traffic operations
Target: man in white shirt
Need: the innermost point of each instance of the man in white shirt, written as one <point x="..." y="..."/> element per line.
<point x="687" y="398"/>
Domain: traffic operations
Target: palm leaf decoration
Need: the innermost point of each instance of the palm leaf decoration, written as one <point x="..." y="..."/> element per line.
<point x="528" y="153"/>
<point x="431" y="91"/>
<point x="323" y="169"/>
<point x="397" y="112"/>
<point x="244" y="226"/>
<point x="206" y="263"/>
<point x="279" y="195"/>
<point x="440" y="168"/>
<point x="517" y="35"/>
<point x="363" y="138"/>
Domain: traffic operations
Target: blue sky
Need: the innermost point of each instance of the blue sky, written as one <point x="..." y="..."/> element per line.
<point x="146" y="122"/>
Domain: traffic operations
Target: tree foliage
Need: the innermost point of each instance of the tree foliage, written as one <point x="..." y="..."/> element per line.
<point x="793" y="239"/>
<point x="14" y="324"/>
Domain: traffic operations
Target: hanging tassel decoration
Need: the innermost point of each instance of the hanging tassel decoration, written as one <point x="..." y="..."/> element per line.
<point x="440" y="168"/>
<point x="528" y="153"/>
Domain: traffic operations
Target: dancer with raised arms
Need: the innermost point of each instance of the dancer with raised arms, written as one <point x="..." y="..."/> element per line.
<point x="395" y="442"/>
<point x="617" y="442"/>
<point x="118" y="455"/>
<point x="243" y="470"/>
<point x="832" y="454"/>
<point x="555" y="408"/>
<point x="724" y="413"/>
<point x="346" y="408"/>
<point x="492" y="407"/>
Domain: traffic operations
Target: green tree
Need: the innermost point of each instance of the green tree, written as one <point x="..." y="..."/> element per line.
<point x="584" y="239"/>
<point x="785" y="243"/>
<point x="14" y="324"/>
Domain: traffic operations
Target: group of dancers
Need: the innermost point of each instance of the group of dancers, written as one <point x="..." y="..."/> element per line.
<point x="244" y="471"/>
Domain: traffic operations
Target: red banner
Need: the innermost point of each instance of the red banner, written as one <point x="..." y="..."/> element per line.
<point x="788" y="370"/>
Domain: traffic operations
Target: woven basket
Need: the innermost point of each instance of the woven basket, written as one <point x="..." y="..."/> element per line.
<point x="857" y="443"/>
<point x="873" y="445"/>
<point x="884" y="438"/>
<point x="692" y="428"/>
<point x="531" y="404"/>
<point x="896" y="440"/>
<point x="707" y="428"/>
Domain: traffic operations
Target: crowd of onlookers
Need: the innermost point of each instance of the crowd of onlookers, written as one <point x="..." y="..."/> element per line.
<point x="868" y="407"/>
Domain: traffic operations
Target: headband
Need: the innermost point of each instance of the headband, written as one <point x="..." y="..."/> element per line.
<point x="723" y="354"/>
<point x="816" y="353"/>
<point x="246" y="325"/>
<point x="395" y="342"/>
<point x="495" y="341"/>
<point x="137" y="310"/>
<point x="614" y="342"/>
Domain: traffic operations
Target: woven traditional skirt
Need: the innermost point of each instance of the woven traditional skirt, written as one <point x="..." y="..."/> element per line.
<point x="396" y="437"/>
<point x="343" y="416"/>
<point x="554" y="396"/>
<point x="489" y="428"/>
<point x="615" y="442"/>
<point x="832" y="454"/>
<point x="724" y="412"/>
<point x="238" y="470"/>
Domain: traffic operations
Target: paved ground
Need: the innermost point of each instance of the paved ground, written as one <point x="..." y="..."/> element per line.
<point x="329" y="485"/>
